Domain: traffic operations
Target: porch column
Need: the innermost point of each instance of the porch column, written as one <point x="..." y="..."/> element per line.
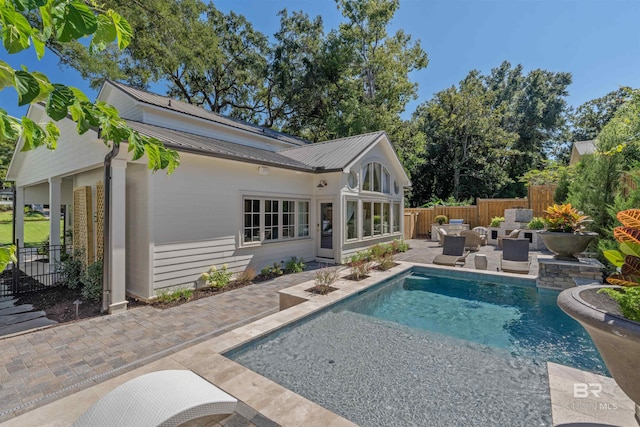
<point x="19" y="215"/>
<point x="117" y="227"/>
<point x="54" y="217"/>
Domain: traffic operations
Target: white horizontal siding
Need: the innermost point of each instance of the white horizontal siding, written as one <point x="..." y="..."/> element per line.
<point x="74" y="153"/>
<point x="182" y="264"/>
<point x="197" y="217"/>
<point x="128" y="108"/>
<point x="202" y="199"/>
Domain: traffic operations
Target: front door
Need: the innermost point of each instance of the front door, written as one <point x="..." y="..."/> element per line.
<point x="325" y="230"/>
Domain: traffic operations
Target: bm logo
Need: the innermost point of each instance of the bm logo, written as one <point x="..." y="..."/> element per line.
<point x="583" y="390"/>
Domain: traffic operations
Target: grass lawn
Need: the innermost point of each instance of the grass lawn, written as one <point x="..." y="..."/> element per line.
<point x="35" y="232"/>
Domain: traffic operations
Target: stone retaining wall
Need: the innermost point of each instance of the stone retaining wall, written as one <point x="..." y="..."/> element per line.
<point x="555" y="274"/>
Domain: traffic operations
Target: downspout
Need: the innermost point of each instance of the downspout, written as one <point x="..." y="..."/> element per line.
<point x="106" y="230"/>
<point x="13" y="230"/>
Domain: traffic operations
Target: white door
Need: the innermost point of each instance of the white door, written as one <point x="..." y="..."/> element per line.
<point x="325" y="229"/>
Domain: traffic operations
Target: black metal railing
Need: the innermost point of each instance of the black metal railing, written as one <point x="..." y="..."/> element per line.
<point x="35" y="269"/>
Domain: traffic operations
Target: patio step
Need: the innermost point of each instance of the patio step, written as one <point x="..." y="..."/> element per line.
<point x="16" y="309"/>
<point x="27" y="325"/>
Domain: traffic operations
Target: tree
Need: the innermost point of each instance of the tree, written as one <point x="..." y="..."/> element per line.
<point x="534" y="108"/>
<point x="589" y="118"/>
<point x="467" y="149"/>
<point x="597" y="180"/>
<point x="65" y="21"/>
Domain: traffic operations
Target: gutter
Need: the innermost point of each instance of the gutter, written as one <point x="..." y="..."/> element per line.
<point x="106" y="230"/>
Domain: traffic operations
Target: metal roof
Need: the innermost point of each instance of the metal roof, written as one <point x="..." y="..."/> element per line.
<point x="335" y="154"/>
<point x="188" y="142"/>
<point x="196" y="111"/>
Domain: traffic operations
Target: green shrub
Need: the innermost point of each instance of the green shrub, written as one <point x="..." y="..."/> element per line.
<point x="217" y="278"/>
<point x="536" y="223"/>
<point x="92" y="282"/>
<point x="166" y="297"/>
<point x="495" y="221"/>
<point x="441" y="219"/>
<point x="325" y="277"/>
<point x="71" y="270"/>
<point x="294" y="266"/>
<point x="271" y="272"/>
<point x="360" y="265"/>
<point x="379" y="251"/>
<point x="398" y="246"/>
<point x="629" y="300"/>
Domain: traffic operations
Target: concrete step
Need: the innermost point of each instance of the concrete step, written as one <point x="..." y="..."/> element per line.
<point x="22" y="308"/>
<point x="25" y="326"/>
<point x="21" y="317"/>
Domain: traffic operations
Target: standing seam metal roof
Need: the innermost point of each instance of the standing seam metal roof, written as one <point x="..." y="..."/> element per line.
<point x="196" y="111"/>
<point x="333" y="155"/>
<point x="184" y="141"/>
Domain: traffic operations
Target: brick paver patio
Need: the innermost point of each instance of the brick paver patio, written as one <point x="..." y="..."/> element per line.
<point x="43" y="366"/>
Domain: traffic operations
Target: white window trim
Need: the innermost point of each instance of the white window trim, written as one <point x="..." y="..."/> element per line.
<point x="371" y="165"/>
<point x="358" y="220"/>
<point x="262" y="212"/>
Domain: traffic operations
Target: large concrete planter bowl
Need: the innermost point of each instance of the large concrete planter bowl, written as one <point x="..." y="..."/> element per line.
<point x="566" y="246"/>
<point x="617" y="339"/>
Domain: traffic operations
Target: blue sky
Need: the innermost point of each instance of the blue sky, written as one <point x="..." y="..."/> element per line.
<point x="597" y="41"/>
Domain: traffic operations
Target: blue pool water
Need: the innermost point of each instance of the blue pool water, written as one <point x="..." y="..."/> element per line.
<point x="429" y="351"/>
<point x="525" y="321"/>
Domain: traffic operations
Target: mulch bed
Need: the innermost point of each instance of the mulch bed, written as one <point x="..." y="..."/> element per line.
<point x="57" y="302"/>
<point x="204" y="293"/>
<point x="321" y="290"/>
<point x="354" y="278"/>
<point x="377" y="267"/>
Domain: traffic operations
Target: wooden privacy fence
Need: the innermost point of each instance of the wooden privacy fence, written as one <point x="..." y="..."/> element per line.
<point x="541" y="196"/>
<point x="418" y="220"/>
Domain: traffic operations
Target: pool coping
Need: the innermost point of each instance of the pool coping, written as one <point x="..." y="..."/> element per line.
<point x="272" y="400"/>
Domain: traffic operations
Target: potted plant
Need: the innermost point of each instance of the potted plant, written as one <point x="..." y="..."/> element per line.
<point x="611" y="314"/>
<point x="495" y="221"/>
<point x="564" y="235"/>
<point x="440" y="219"/>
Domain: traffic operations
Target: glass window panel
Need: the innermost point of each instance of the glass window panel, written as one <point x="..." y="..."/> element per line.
<point x="288" y="218"/>
<point x="251" y="226"/>
<point x="396" y="217"/>
<point x="385" y="218"/>
<point x="303" y="219"/>
<point x="352" y="180"/>
<point x="366" y="177"/>
<point x="377" y="212"/>
<point x="377" y="177"/>
<point x="271" y="220"/>
<point x="386" y="182"/>
<point x="352" y="219"/>
<point x="366" y="219"/>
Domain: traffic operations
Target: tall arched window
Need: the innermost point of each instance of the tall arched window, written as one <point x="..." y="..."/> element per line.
<point x="376" y="178"/>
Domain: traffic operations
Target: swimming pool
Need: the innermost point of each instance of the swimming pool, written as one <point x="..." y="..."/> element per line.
<point x="429" y="350"/>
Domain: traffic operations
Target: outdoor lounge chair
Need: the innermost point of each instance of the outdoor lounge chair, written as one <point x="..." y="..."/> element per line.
<point x="453" y="252"/>
<point x="472" y="240"/>
<point x="513" y="235"/>
<point x="441" y="233"/>
<point x="484" y="234"/>
<point x="163" y="398"/>
<point x="515" y="256"/>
